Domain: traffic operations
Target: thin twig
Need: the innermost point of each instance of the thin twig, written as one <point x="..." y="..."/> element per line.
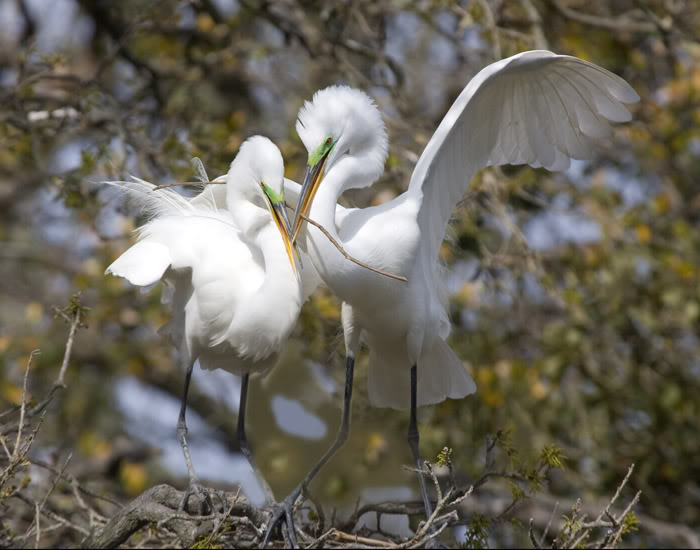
<point x="54" y="516"/>
<point x="75" y="323"/>
<point x="543" y="538"/>
<point x="55" y="481"/>
<point x="220" y="180"/>
<point x="24" y="402"/>
<point x="37" y="511"/>
<point x="4" y="446"/>
<point x="621" y="23"/>
<point x="531" y="534"/>
<point x="357" y="539"/>
<point x="618" y="533"/>
<point x="322" y="538"/>
<point x="40" y="507"/>
<point x="577" y="543"/>
<point x="536" y="22"/>
<point x="617" y="493"/>
<point x="218" y="525"/>
<point x="73" y="481"/>
<point x="319" y="509"/>
<point x="422" y="543"/>
<point x="347" y="256"/>
<point x="185" y="183"/>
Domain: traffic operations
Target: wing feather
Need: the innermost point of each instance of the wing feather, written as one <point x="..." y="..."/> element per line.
<point x="187" y="236"/>
<point x="143" y="264"/>
<point x="535" y="108"/>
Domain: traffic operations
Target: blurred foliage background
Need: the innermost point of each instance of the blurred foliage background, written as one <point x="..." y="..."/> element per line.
<point x="575" y="296"/>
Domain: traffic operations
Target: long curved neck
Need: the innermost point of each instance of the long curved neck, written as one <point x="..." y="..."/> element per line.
<point x="323" y="209"/>
<point x="326" y="257"/>
<point x="258" y="228"/>
<point x="280" y="280"/>
<point x="264" y="321"/>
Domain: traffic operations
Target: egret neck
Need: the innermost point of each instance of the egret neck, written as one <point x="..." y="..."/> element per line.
<point x="325" y="256"/>
<point x="281" y="281"/>
<point x="263" y="323"/>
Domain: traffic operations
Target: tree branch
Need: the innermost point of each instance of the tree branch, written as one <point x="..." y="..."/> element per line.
<point x="160" y="505"/>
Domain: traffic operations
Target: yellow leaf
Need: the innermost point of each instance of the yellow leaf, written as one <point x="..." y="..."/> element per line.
<point x="133" y="477"/>
<point x="485" y="376"/>
<point x="204" y="22"/>
<point x="446" y="253"/>
<point x="238" y="119"/>
<point x="102" y="450"/>
<point x="539" y="390"/>
<point x="643" y="233"/>
<point x="504" y="368"/>
<point x="33" y="312"/>
<point x="469" y="293"/>
<point x="12" y="393"/>
<point x="661" y="204"/>
<point x="376" y="442"/>
<point x="134" y="366"/>
<point x="493" y="398"/>
<point x="376" y="446"/>
<point x="591" y="255"/>
<point x="92" y="267"/>
<point x="326" y="306"/>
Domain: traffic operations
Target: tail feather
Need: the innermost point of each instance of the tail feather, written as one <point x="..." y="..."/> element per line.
<point x="441" y="375"/>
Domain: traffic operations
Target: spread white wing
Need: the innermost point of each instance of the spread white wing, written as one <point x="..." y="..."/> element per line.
<point x="535" y="108"/>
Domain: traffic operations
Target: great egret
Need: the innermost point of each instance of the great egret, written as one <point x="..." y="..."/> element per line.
<point x="227" y="261"/>
<point x="533" y="108"/>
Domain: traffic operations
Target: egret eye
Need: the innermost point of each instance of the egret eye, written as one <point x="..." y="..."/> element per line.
<point x="328" y="140"/>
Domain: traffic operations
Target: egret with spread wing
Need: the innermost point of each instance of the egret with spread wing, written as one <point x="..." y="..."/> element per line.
<point x="534" y="108"/>
<point x="230" y="273"/>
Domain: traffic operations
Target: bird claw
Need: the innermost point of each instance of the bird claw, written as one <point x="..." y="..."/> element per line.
<point x="283" y="511"/>
<point x="206" y="505"/>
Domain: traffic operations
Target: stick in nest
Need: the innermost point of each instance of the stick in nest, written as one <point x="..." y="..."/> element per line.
<point x="218" y="181"/>
<point x="222" y="180"/>
<point x="347" y="256"/>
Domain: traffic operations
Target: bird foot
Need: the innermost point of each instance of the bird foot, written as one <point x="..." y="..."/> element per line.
<point x="206" y="505"/>
<point x="283" y="515"/>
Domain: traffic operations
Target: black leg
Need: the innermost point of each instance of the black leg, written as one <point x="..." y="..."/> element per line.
<point x="243" y="440"/>
<point x="413" y="438"/>
<point x="344" y="430"/>
<point x="195" y="487"/>
<point x="287" y="506"/>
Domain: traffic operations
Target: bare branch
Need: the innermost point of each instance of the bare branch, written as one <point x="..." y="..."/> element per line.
<point x="18" y="440"/>
<point x="622" y="23"/>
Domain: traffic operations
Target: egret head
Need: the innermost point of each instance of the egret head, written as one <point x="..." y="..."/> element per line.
<point x="340" y="124"/>
<point x="256" y="176"/>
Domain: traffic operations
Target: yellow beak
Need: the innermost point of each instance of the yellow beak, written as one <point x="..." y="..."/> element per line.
<point x="279" y="214"/>
<point x="312" y="180"/>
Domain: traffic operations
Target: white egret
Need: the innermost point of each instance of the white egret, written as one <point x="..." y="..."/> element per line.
<point x="534" y="108"/>
<point x="227" y="261"/>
